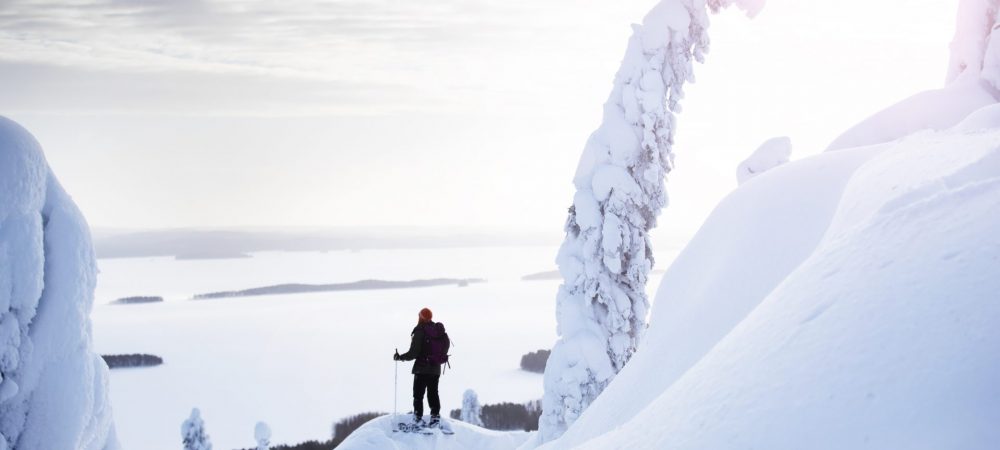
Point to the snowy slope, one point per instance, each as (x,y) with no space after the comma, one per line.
(884,337)
(754,238)
(54,391)
(934,109)
(378,435)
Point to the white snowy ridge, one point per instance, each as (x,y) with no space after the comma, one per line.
(54,388)
(772,153)
(606,257)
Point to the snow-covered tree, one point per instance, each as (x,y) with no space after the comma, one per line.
(53,387)
(262,433)
(472,411)
(606,257)
(971,54)
(193,432)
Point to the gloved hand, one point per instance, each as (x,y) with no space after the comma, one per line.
(395,357)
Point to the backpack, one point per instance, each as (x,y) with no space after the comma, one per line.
(437,342)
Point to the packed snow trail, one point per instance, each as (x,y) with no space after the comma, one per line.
(378,434)
(54,389)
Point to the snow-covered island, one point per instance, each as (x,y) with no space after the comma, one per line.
(362,285)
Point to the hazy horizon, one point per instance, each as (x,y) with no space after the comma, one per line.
(163,114)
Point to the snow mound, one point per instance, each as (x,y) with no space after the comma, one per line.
(54,389)
(983,118)
(885,337)
(935,109)
(378,434)
(772,153)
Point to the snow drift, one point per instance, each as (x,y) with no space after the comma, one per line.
(54,389)
(772,153)
(934,109)
(378,435)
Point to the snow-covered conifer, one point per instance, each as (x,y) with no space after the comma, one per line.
(606,257)
(193,432)
(974,29)
(262,433)
(472,411)
(53,387)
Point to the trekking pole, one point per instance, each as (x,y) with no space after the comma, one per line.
(395,390)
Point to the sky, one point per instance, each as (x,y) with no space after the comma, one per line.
(471,113)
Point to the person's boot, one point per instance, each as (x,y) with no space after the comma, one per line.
(418,422)
(435,421)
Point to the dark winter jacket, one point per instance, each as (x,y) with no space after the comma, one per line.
(418,351)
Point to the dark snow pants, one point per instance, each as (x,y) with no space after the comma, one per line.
(422,382)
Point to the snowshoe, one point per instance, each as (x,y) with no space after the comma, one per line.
(417,426)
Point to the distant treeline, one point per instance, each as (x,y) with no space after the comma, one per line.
(341,430)
(502,416)
(353,286)
(535,361)
(137,299)
(509,416)
(132,360)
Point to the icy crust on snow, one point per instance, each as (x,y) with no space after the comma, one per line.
(377,434)
(54,389)
(884,337)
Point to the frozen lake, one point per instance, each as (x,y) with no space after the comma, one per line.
(300,362)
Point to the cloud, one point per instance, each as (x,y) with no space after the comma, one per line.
(305,57)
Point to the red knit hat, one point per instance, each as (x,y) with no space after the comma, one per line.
(426,315)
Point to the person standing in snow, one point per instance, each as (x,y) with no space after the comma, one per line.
(427,343)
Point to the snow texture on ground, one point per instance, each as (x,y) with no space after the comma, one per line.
(54,390)
(378,434)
